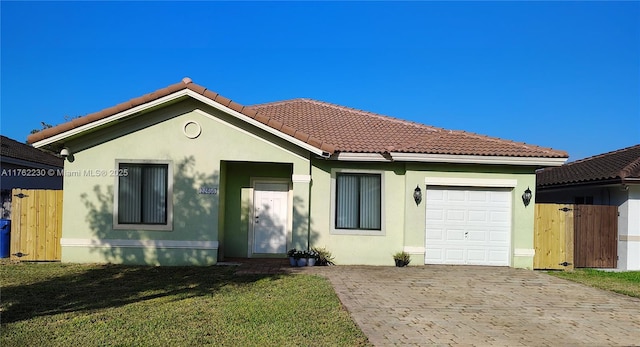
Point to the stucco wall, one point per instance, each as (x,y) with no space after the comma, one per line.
(404,221)
(359,249)
(88,233)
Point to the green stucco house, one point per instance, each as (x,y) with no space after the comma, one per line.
(186,176)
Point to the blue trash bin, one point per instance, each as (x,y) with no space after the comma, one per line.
(5,238)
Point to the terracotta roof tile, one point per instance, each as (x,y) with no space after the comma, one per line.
(236,106)
(352,130)
(332,128)
(622,164)
(210,94)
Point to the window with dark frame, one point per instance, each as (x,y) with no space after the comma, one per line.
(142,193)
(358,201)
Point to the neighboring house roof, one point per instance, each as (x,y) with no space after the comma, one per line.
(332,129)
(27,154)
(620,166)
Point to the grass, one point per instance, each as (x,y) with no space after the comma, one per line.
(97,305)
(627,283)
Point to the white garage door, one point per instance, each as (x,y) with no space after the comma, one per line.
(468,226)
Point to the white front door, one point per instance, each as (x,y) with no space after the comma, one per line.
(468,226)
(270,210)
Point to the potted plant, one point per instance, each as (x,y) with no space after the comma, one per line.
(292,259)
(402,258)
(323,256)
(300,257)
(312,257)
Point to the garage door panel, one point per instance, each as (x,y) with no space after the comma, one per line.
(436,234)
(455,216)
(477,236)
(500,197)
(454,235)
(478,196)
(476,228)
(476,256)
(435,214)
(454,195)
(500,217)
(434,256)
(454,256)
(478,216)
(499,236)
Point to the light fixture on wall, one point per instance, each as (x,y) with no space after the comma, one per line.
(526,197)
(417,195)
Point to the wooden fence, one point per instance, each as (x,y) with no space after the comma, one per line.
(568,236)
(36,224)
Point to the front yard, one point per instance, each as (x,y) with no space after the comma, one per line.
(97,305)
(627,283)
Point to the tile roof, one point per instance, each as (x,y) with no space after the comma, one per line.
(352,130)
(620,165)
(13,149)
(333,128)
(186,83)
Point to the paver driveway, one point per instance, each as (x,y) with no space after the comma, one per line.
(481,306)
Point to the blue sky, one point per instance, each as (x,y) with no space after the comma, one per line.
(564,75)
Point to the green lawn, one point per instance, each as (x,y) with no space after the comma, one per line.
(97,305)
(627,283)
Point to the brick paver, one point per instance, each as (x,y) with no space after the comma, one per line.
(478,306)
(481,306)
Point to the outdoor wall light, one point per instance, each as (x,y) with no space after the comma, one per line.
(417,195)
(526,197)
(66,153)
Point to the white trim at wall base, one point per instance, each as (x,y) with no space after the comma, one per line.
(148,244)
(524,252)
(414,250)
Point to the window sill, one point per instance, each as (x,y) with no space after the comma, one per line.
(361,232)
(152,227)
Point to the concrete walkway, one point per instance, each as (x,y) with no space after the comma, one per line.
(475,306)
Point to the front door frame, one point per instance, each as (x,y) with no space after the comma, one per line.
(289,223)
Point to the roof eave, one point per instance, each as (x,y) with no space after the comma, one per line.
(585,184)
(477,159)
(29,163)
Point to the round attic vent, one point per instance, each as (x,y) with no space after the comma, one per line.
(192,129)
